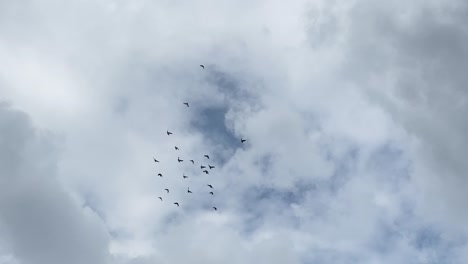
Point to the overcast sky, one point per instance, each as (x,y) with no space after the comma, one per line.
(355,115)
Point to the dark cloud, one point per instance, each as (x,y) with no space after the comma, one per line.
(41,221)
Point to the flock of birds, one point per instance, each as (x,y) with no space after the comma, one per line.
(202,167)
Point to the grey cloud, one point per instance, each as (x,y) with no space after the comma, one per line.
(422,59)
(354,153)
(40,220)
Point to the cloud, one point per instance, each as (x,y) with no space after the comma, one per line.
(421,87)
(41,222)
(353,114)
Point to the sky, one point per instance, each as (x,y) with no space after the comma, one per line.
(354,114)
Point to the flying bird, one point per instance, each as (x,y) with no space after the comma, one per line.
(179,160)
(209,185)
(188,190)
(185,177)
(211,167)
(211,193)
(202,167)
(205,171)
(160,198)
(243,140)
(203,66)
(193,162)
(155,160)
(167,190)
(176,203)
(159,174)
(168,133)
(186,104)
(206,156)
(176,148)
(215,208)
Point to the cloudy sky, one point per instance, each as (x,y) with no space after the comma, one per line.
(355,115)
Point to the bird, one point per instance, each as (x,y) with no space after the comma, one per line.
(167,190)
(205,171)
(206,156)
(168,133)
(186,104)
(215,208)
(179,160)
(211,193)
(160,198)
(202,167)
(209,185)
(159,174)
(176,148)
(188,190)
(203,66)
(185,177)
(155,160)
(176,203)
(243,140)
(193,162)
(211,167)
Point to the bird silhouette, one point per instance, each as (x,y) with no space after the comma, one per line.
(193,162)
(211,167)
(155,160)
(188,190)
(205,171)
(202,167)
(184,176)
(176,203)
(186,104)
(243,140)
(203,66)
(159,174)
(176,148)
(160,198)
(168,133)
(216,209)
(206,156)
(179,160)
(211,193)
(167,190)
(209,185)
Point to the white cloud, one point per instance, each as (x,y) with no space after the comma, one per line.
(353,114)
